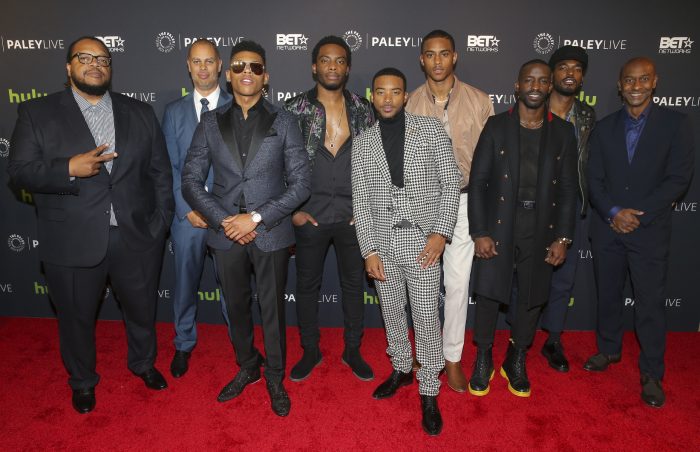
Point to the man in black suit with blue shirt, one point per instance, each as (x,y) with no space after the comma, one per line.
(641,161)
(261,174)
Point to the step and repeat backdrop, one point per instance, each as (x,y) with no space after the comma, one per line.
(149,43)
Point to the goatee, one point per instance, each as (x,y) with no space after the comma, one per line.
(91,90)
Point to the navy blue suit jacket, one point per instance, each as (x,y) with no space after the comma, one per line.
(179,123)
(659,173)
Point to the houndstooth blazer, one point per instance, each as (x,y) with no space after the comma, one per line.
(431,182)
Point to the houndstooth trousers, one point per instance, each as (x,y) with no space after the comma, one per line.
(407,281)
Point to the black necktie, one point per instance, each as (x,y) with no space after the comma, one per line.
(205,105)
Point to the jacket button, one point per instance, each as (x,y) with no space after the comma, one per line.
(502,152)
(558,157)
(554,204)
(106,212)
(551,226)
(502,198)
(506,176)
(627,188)
(498,221)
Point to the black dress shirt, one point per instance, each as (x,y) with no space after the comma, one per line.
(331,188)
(529,155)
(244,128)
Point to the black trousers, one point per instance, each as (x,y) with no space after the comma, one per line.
(235,267)
(643,254)
(77,294)
(525,324)
(311,249)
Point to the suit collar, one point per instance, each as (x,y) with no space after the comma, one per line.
(262,130)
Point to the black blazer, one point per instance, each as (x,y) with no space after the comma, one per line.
(73,216)
(493,196)
(660,171)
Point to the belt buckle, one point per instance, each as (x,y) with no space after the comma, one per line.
(528,204)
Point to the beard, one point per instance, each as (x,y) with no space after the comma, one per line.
(332,86)
(565,90)
(91,90)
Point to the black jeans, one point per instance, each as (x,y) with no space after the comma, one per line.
(525,325)
(311,249)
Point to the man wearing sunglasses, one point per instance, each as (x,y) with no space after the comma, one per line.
(261,175)
(98,167)
(189,230)
(330,116)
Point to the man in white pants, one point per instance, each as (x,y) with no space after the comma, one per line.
(463,111)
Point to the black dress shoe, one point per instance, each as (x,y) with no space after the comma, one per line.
(235,387)
(600,361)
(178,367)
(432,421)
(279,399)
(153,379)
(302,370)
(84,400)
(554,352)
(482,373)
(390,385)
(652,392)
(360,368)
(514,371)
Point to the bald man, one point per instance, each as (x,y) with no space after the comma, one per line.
(633,184)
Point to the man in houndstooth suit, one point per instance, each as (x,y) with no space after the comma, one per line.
(405,186)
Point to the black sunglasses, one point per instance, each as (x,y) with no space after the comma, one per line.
(239,66)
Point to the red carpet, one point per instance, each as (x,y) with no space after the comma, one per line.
(332,410)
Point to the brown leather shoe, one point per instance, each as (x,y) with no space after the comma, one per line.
(455,376)
(416,365)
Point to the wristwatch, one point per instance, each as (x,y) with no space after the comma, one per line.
(564,241)
(256,217)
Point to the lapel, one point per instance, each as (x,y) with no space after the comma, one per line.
(410,143)
(619,142)
(75,123)
(225,121)
(224,98)
(512,146)
(378,153)
(189,110)
(262,128)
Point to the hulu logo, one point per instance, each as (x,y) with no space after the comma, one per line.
(40,290)
(210,296)
(16,98)
(26,196)
(370,299)
(368,94)
(590,100)
(184,92)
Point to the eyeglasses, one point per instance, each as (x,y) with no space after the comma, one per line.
(87,58)
(239,66)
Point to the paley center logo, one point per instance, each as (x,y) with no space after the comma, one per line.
(482,43)
(395,41)
(4,147)
(353,39)
(675,44)
(544,43)
(32,44)
(165,42)
(113,43)
(292,41)
(678,101)
(16,243)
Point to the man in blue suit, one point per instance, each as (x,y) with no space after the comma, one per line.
(189,229)
(261,175)
(641,161)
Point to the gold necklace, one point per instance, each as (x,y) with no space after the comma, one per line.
(536,125)
(337,126)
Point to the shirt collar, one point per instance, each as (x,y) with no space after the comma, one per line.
(105,103)
(213,97)
(642,117)
(254,108)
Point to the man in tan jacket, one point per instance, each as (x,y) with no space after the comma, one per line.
(463,111)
